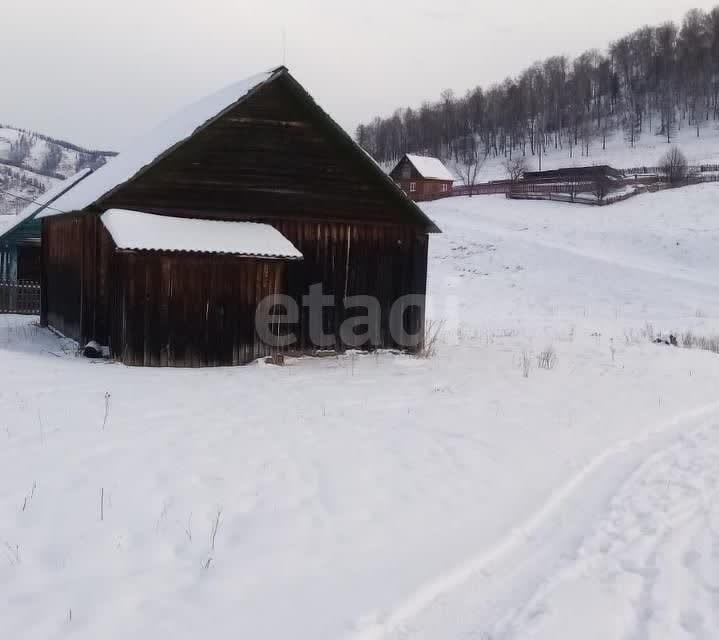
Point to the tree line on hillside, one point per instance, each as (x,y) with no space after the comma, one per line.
(17,181)
(653,81)
(60,142)
(20,153)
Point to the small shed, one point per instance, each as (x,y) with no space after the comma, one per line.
(164,253)
(20,252)
(422,177)
(209,259)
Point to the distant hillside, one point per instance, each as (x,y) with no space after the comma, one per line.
(31,163)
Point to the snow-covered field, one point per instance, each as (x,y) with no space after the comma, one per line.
(383,496)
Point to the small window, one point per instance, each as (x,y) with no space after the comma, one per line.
(412,187)
(444,186)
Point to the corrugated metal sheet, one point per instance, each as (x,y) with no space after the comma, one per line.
(148,232)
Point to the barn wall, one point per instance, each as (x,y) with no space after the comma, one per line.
(62,269)
(190,310)
(386,262)
(199,310)
(76,262)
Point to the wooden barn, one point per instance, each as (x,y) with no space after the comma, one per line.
(164,253)
(422,177)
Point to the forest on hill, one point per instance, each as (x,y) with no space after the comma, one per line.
(652,82)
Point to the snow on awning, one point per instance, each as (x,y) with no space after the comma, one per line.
(431,168)
(150,232)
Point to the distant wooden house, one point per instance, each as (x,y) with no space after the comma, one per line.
(20,239)
(422,177)
(164,253)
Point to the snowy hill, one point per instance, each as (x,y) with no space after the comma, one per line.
(384,496)
(31,163)
(647,151)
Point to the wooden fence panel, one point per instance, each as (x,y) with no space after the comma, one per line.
(21,298)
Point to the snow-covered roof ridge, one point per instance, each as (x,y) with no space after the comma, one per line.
(47,199)
(148,148)
(151,232)
(431,168)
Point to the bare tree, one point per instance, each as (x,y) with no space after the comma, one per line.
(602,185)
(20,149)
(631,125)
(468,158)
(674,165)
(52,159)
(515,168)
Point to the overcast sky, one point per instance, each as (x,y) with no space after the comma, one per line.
(97,72)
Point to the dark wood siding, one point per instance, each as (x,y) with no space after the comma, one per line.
(191,310)
(62,250)
(77,258)
(199,310)
(386,262)
(28,263)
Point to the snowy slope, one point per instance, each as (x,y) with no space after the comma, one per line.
(353,494)
(31,163)
(619,154)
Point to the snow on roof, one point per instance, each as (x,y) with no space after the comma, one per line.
(431,168)
(46,199)
(148,148)
(6,221)
(151,232)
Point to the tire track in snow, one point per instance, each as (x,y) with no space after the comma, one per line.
(653,554)
(482,597)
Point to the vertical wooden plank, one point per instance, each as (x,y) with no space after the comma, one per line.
(44,261)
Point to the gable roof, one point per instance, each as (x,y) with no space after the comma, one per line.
(43,202)
(430,168)
(149,232)
(173,132)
